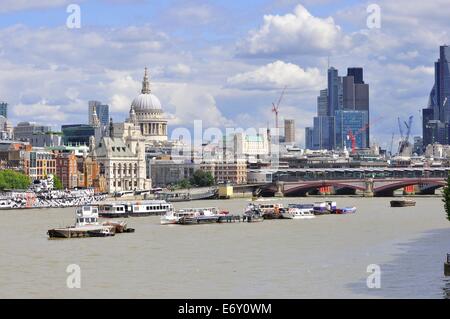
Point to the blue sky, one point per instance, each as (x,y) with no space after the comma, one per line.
(224,62)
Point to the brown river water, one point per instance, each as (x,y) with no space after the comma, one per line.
(326,257)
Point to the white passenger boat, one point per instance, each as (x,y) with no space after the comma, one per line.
(173,217)
(301,211)
(148,208)
(113,210)
(86,225)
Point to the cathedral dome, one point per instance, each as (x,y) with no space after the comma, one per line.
(146,100)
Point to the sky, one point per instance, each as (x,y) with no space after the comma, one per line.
(221,61)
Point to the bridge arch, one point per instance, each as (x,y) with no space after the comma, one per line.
(389,188)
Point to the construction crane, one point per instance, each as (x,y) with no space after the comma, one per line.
(352,136)
(404,145)
(276,108)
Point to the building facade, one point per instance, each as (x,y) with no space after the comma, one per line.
(436,116)
(4,109)
(67,170)
(289,131)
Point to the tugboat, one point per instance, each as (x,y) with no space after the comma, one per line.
(86,225)
(269,211)
(403,203)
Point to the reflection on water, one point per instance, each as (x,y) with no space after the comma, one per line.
(417,270)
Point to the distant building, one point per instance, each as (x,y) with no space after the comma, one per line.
(4,109)
(66,169)
(24,131)
(289,131)
(40,163)
(250,145)
(322,103)
(6,129)
(354,122)
(102,111)
(309,133)
(418,145)
(324,133)
(436,115)
(77,134)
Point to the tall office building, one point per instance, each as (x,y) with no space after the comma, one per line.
(322,103)
(324,135)
(335,91)
(102,111)
(354,122)
(341,108)
(309,133)
(4,109)
(357,74)
(289,131)
(438,104)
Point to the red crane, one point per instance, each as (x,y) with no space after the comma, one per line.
(352,137)
(275,108)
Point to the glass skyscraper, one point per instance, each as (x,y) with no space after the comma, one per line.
(353,121)
(102,111)
(4,109)
(437,114)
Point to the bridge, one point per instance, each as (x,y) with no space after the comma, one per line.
(367,182)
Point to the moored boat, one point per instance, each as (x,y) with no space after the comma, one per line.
(299,211)
(113,210)
(149,208)
(403,203)
(346,210)
(324,208)
(268,211)
(252,215)
(86,225)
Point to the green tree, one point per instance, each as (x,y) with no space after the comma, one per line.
(446,199)
(202,178)
(184,183)
(10,179)
(57,184)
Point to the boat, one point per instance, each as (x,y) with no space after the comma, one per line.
(86,225)
(148,208)
(324,208)
(119,226)
(199,216)
(403,203)
(301,211)
(113,210)
(268,211)
(252,215)
(173,217)
(346,210)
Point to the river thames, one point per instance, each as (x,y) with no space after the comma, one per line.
(326,257)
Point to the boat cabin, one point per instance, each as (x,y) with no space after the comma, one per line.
(86,215)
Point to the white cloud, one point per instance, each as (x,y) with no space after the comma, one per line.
(294,33)
(17,5)
(277,75)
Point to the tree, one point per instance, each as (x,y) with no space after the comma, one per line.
(446,199)
(57,184)
(202,178)
(184,183)
(10,179)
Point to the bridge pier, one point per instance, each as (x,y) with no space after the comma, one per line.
(368,191)
(280,190)
(325,190)
(409,190)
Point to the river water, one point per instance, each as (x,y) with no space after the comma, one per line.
(326,257)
